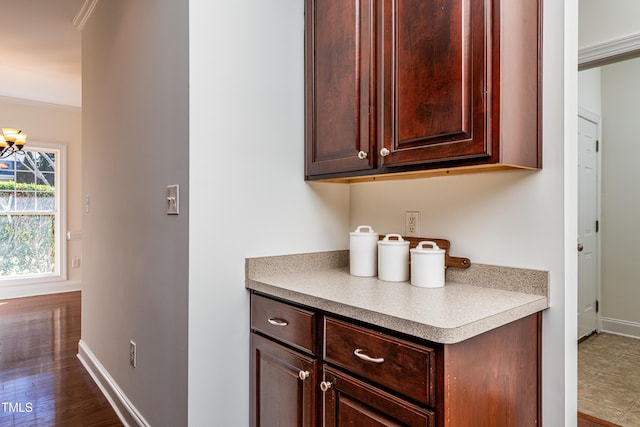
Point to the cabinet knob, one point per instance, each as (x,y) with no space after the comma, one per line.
(384,152)
(580,247)
(303,375)
(325,385)
(362,155)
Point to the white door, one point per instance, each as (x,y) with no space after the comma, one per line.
(587,216)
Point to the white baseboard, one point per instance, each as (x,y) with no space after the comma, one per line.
(123,407)
(35,289)
(620,327)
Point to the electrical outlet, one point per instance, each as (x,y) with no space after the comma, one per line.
(133,357)
(75,262)
(412,224)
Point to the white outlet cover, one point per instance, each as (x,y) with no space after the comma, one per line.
(412,224)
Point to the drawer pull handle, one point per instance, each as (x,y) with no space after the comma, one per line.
(325,385)
(303,375)
(358,352)
(277,322)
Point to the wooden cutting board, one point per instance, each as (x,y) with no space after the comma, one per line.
(449,261)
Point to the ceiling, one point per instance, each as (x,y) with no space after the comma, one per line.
(40,51)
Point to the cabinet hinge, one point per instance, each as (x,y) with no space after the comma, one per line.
(597,306)
(597,145)
(597,225)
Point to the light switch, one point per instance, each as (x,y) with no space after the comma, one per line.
(173,201)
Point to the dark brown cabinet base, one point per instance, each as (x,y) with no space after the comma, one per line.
(365,376)
(351,402)
(283,387)
(493,379)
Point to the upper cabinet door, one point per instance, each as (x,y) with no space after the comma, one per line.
(434,64)
(417,87)
(340,86)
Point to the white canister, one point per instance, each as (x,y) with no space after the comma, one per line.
(393,258)
(363,252)
(427,265)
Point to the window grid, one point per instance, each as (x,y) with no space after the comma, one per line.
(29,212)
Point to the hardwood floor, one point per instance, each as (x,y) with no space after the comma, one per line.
(585,420)
(42,382)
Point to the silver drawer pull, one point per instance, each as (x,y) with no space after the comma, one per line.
(277,322)
(358,352)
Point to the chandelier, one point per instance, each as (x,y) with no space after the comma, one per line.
(11,142)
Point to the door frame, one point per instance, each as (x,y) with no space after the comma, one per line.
(596,119)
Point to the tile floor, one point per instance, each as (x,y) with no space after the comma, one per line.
(609,378)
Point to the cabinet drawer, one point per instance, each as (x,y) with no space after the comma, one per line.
(284,322)
(351,402)
(398,365)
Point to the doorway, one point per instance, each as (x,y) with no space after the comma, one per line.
(606,382)
(588,223)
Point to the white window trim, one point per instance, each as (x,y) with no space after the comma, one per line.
(61,223)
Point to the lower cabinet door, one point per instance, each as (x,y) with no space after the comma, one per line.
(283,386)
(351,402)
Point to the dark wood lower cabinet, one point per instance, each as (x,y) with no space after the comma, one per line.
(494,378)
(284,385)
(360,375)
(351,402)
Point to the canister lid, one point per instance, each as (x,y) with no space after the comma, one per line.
(427,247)
(388,242)
(359,232)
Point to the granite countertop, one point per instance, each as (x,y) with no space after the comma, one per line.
(473,301)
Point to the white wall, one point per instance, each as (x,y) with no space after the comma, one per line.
(518,219)
(136,142)
(605,21)
(620,194)
(50,123)
(590,90)
(246,105)
(248,195)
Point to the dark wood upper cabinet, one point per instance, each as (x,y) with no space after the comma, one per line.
(340,89)
(421,86)
(434,108)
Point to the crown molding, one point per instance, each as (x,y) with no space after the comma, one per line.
(84,14)
(608,52)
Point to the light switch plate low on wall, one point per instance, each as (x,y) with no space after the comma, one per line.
(173,201)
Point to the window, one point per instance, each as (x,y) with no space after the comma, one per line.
(30,220)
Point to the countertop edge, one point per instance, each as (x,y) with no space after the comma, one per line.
(409,327)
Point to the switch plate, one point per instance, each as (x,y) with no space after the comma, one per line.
(133,357)
(412,224)
(173,200)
